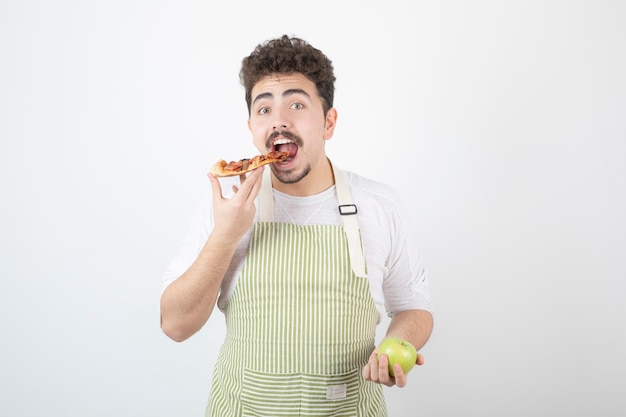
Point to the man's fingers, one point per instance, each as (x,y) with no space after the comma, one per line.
(369,370)
(251,184)
(383,371)
(420,359)
(216,188)
(366,372)
(399,377)
(377,370)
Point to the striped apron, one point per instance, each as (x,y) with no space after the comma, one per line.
(300,324)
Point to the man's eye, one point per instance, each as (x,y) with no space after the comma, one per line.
(264,110)
(297,106)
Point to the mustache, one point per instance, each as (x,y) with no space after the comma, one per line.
(285,134)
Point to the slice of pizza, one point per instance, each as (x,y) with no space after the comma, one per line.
(228,169)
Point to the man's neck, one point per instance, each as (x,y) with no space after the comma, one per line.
(319,179)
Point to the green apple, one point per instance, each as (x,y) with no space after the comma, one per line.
(399,352)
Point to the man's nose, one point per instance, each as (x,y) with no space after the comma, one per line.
(280,121)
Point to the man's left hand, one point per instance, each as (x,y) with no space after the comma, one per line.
(378,371)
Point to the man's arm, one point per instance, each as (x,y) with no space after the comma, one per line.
(187,303)
(414,326)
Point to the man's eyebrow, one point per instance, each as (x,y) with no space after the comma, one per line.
(262,96)
(295,91)
(286,93)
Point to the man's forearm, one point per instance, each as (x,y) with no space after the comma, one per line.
(187,303)
(414,326)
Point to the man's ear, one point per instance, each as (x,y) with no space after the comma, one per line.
(331,122)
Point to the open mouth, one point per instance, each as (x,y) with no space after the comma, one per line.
(286,145)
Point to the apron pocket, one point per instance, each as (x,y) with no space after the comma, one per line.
(272,395)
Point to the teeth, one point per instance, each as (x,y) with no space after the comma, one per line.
(282,141)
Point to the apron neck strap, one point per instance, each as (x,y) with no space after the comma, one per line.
(266,203)
(347,210)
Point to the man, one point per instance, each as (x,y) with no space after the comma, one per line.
(304,258)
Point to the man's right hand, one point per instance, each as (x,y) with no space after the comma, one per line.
(233,216)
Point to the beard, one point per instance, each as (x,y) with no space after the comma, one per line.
(291,176)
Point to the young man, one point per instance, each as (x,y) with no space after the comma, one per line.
(303,259)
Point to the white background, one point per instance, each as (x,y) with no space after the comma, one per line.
(502,122)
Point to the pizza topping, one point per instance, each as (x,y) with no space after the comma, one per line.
(224,169)
(237,165)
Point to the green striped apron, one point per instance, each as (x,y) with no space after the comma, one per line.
(300,323)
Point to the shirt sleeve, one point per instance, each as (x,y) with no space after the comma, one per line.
(192,243)
(406,285)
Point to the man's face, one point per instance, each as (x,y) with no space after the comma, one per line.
(287,115)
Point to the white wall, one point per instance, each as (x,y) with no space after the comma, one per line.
(512,114)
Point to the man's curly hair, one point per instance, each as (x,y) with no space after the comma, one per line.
(288,55)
